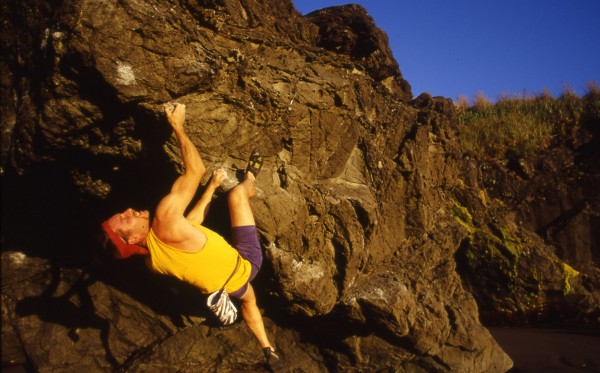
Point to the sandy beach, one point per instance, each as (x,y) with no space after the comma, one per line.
(550,350)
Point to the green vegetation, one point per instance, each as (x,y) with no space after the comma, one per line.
(492,256)
(463,216)
(569,273)
(524,125)
(492,263)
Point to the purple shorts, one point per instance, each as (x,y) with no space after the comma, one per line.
(245,241)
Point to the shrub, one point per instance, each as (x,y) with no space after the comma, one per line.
(525,124)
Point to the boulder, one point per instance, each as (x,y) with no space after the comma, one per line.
(356,204)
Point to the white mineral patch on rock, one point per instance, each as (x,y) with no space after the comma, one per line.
(17,257)
(125,74)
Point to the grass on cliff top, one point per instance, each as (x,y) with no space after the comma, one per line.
(523,125)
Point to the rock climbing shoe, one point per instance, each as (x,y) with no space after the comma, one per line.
(255,162)
(275,363)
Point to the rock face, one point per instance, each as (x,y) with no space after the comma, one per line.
(357,205)
(531,254)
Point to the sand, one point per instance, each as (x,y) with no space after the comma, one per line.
(550,350)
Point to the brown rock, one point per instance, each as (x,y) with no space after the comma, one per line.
(356,202)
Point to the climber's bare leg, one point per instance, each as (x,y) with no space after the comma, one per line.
(253,318)
(239,202)
(241,215)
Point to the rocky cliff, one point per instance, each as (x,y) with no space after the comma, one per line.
(371,220)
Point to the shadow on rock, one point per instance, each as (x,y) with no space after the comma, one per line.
(62,310)
(163,294)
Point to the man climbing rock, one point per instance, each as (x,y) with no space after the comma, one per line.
(180,246)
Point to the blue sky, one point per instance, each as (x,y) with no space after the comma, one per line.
(451,48)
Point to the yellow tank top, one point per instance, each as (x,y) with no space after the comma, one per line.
(208,269)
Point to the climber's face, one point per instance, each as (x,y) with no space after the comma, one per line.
(132,225)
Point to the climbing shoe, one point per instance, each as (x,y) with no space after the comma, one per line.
(255,162)
(274,362)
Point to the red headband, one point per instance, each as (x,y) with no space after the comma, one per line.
(125,250)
